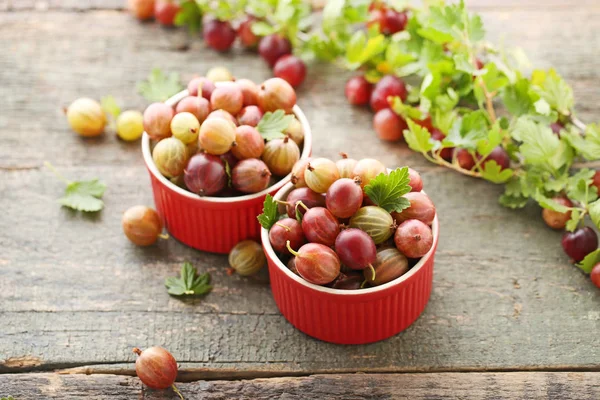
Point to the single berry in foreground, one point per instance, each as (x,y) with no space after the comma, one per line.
(580,243)
(375,221)
(247,258)
(130,125)
(320,226)
(320,174)
(595,275)
(250,176)
(86,117)
(388,125)
(344,197)
(308,197)
(421,208)
(280,155)
(555,219)
(156,367)
(356,250)
(205,174)
(157,120)
(413,238)
(142,225)
(170,156)
(287,229)
(316,263)
(389,265)
(276,94)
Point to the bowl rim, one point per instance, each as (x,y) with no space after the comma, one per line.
(270,252)
(147,154)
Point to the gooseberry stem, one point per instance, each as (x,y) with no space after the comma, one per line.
(362,285)
(176,390)
(285,203)
(287,228)
(372,272)
(137,351)
(292,251)
(56,173)
(301,204)
(164,236)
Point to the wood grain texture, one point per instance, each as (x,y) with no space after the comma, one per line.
(471,386)
(74,292)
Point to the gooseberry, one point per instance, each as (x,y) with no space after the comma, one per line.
(276,94)
(388,125)
(203,84)
(165,11)
(298,172)
(291,69)
(250,176)
(86,117)
(308,198)
(556,127)
(157,120)
(284,230)
(223,115)
(596,180)
(344,197)
(185,127)
(421,208)
(247,37)
(247,258)
(248,143)
(389,264)
(375,221)
(280,155)
(413,238)
(389,21)
(464,158)
(249,91)
(295,131)
(229,158)
(320,226)
(205,174)
(217,135)
(250,115)
(445,153)
(555,219)
(130,125)
(346,166)
(219,74)
(349,281)
(579,243)
(227,97)
(156,367)
(500,156)
(358,90)
(320,174)
(198,106)
(367,169)
(170,157)
(142,9)
(388,86)
(142,225)
(272,47)
(415,183)
(218,35)
(316,263)
(356,250)
(595,275)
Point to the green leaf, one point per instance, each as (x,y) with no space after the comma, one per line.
(594,211)
(406,111)
(110,106)
(189,283)
(418,138)
(551,204)
(590,261)
(494,173)
(588,146)
(270,213)
(513,201)
(463,64)
(516,98)
(468,131)
(159,86)
(579,187)
(386,190)
(542,107)
(189,15)
(493,140)
(260,28)
(552,88)
(573,223)
(273,124)
(540,146)
(81,195)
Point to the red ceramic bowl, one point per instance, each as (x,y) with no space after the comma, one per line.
(213,224)
(350,316)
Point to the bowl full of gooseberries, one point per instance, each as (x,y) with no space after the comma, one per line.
(215,150)
(350,247)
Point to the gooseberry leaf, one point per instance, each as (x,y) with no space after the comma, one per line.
(550,204)
(110,106)
(159,86)
(81,195)
(189,15)
(386,190)
(594,211)
(418,138)
(270,213)
(272,124)
(494,173)
(573,223)
(189,283)
(590,261)
(551,87)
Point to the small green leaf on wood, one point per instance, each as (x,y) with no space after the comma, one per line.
(590,261)
(189,283)
(270,213)
(386,190)
(273,124)
(81,195)
(189,15)
(110,106)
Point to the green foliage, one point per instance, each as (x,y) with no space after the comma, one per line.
(270,213)
(189,283)
(189,15)
(386,190)
(272,124)
(81,195)
(159,86)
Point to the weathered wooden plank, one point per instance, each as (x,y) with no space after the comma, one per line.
(471,386)
(98,61)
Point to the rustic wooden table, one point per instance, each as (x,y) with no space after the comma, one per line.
(508,317)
